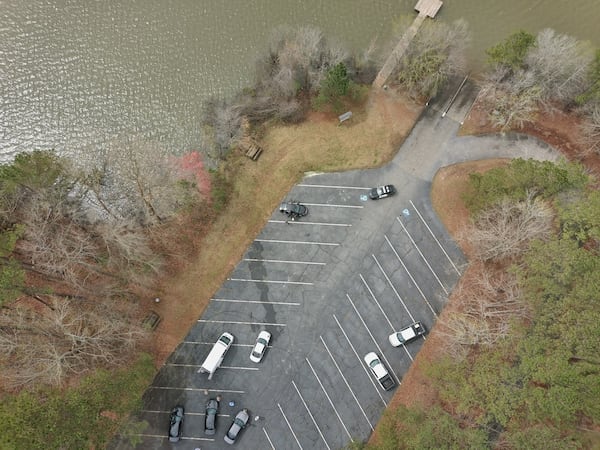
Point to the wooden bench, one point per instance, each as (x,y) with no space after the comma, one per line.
(151,321)
(253,152)
(250,148)
(344,117)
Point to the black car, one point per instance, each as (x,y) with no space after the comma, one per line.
(293,209)
(239,423)
(176,423)
(210,418)
(382,192)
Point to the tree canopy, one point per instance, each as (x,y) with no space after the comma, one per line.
(512,51)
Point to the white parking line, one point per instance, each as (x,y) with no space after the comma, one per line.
(335,187)
(297,222)
(330,205)
(238,368)
(375,298)
(310,414)
(243,323)
(394,288)
(268,439)
(277,241)
(372,295)
(220,367)
(162,436)
(212,343)
(247,280)
(422,256)
(360,360)
(329,399)
(434,237)
(347,384)
(168,388)
(184,438)
(289,426)
(374,341)
(401,301)
(228,300)
(283,261)
(413,280)
(187,413)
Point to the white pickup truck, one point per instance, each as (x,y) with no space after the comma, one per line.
(379,370)
(407,334)
(216,355)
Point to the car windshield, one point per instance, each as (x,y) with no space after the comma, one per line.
(225,339)
(261,341)
(374,363)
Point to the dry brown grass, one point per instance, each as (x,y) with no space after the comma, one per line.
(369,139)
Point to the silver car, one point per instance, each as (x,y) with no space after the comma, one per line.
(239,423)
(262,342)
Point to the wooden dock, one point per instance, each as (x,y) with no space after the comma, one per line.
(426,8)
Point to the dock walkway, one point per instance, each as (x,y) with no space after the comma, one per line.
(426,8)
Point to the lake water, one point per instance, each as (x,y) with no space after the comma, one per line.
(82,73)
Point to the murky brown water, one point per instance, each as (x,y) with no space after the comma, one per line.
(80,73)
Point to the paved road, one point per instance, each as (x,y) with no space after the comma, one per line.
(330,288)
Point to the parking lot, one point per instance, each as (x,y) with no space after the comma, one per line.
(330,287)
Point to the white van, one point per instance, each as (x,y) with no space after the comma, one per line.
(216,355)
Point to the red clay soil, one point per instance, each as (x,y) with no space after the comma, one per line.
(559,129)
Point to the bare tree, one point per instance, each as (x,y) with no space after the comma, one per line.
(435,53)
(504,230)
(490,304)
(560,64)
(130,179)
(66,339)
(55,244)
(511,100)
(300,58)
(130,256)
(554,70)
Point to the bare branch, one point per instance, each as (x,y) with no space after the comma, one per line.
(67,339)
(505,230)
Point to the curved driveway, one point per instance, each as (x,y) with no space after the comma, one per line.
(330,288)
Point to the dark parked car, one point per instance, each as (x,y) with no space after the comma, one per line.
(382,192)
(210,418)
(293,209)
(239,423)
(176,423)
